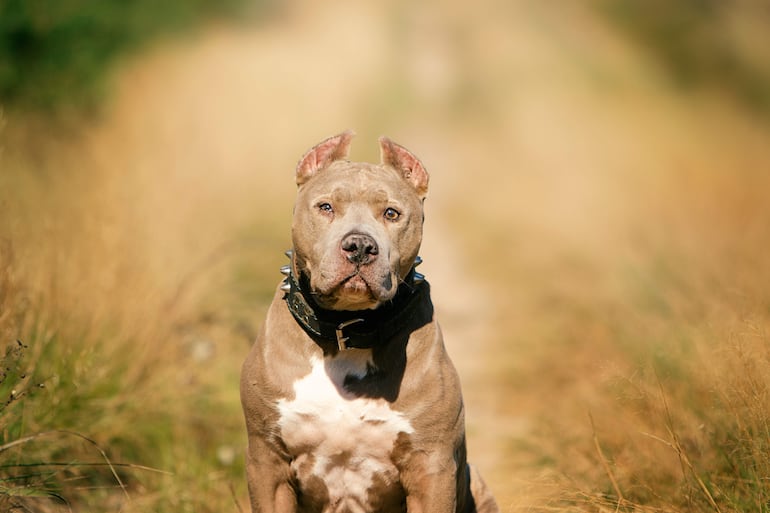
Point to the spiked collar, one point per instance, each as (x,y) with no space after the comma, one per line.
(353,329)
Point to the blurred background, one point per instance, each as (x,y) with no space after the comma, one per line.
(597,236)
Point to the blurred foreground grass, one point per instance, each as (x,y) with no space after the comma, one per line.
(617,230)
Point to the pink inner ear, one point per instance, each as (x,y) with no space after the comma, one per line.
(403,160)
(323,154)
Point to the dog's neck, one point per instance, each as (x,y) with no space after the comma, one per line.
(361,329)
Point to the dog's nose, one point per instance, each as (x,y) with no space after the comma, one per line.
(359,248)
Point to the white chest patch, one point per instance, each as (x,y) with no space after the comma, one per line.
(343,440)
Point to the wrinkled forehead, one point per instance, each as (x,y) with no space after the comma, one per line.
(351,180)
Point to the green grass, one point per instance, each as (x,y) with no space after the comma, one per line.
(125,394)
(90,425)
(703,43)
(60,56)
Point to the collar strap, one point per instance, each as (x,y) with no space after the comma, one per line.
(354,329)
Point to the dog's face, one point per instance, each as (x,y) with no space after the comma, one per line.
(357,227)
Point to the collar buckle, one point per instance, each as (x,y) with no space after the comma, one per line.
(341,340)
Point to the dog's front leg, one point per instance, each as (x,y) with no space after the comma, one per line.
(430,482)
(269,478)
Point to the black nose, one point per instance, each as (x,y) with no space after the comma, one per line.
(359,249)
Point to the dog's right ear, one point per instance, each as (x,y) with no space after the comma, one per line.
(406,163)
(323,154)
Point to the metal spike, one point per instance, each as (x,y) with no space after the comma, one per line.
(289,253)
(286,286)
(418,278)
(286,270)
(417,261)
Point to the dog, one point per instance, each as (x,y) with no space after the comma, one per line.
(350,399)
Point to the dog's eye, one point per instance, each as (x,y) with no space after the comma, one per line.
(325,207)
(391,214)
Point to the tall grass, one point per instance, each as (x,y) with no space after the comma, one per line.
(119,387)
(636,306)
(91,403)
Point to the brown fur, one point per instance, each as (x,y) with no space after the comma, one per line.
(418,461)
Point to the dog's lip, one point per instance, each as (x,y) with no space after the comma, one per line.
(352,289)
(353,283)
(330,287)
(355,280)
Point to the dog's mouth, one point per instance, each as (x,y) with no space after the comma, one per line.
(356,291)
(359,281)
(355,284)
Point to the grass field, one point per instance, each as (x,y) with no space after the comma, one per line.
(596,239)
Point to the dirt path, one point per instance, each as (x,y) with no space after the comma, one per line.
(464,309)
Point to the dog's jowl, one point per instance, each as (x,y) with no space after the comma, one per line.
(351,402)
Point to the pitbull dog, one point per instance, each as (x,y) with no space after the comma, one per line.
(350,399)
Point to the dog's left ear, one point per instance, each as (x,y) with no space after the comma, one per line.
(403,161)
(323,154)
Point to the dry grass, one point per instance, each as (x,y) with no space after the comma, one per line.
(608,235)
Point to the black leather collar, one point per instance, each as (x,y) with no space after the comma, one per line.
(355,329)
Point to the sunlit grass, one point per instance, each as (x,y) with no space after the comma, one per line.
(637,337)
(144,397)
(120,385)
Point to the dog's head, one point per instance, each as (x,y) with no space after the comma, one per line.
(357,227)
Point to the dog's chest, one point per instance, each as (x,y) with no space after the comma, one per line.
(341,444)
